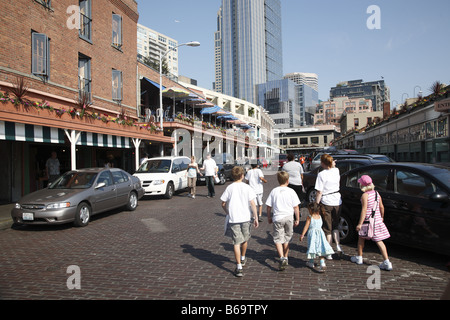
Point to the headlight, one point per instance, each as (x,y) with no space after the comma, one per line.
(59,205)
(17,206)
(158,182)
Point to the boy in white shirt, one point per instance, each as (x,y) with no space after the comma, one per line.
(255,178)
(285,204)
(236,202)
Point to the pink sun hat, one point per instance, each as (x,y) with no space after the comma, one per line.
(365,180)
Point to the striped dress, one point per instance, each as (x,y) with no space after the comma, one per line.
(381,232)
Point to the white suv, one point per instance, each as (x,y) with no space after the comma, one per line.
(163,176)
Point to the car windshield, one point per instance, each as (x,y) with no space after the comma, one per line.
(74,180)
(155,166)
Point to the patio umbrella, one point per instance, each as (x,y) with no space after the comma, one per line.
(175,93)
(210,110)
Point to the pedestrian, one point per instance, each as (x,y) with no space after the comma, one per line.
(327,194)
(255,178)
(295,171)
(318,245)
(238,202)
(191,174)
(285,204)
(371,200)
(210,168)
(52,168)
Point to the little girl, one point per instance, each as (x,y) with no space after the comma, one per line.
(318,246)
(371,199)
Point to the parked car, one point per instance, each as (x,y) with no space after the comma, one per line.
(416,201)
(282,159)
(309,178)
(77,195)
(224,168)
(340,156)
(163,175)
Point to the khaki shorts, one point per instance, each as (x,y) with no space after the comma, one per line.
(240,232)
(283,230)
(331,217)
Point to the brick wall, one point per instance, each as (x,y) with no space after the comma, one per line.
(21,17)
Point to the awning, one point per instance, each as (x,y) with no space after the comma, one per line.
(210,110)
(103,140)
(154,83)
(14,131)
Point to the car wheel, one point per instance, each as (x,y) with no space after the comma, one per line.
(169,191)
(311,195)
(83,215)
(222,178)
(132,201)
(347,231)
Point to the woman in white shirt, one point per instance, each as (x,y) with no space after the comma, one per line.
(327,187)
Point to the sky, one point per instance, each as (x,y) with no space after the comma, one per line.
(410,49)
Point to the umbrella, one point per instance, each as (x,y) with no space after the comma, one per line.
(210,110)
(175,93)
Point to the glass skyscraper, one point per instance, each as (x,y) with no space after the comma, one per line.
(250,46)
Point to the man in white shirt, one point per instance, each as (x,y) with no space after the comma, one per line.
(210,168)
(295,171)
(285,204)
(237,200)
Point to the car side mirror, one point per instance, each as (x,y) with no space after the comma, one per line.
(439,197)
(100,185)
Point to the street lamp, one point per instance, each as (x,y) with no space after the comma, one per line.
(161,56)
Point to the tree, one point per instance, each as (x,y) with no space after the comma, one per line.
(154,63)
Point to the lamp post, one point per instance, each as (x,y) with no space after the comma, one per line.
(161,56)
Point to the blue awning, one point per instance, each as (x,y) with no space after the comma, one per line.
(154,83)
(228,117)
(210,110)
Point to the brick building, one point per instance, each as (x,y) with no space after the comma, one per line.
(68,56)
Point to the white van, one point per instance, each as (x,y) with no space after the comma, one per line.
(163,175)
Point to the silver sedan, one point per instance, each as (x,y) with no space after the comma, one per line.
(77,195)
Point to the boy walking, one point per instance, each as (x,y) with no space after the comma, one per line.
(236,202)
(255,178)
(285,204)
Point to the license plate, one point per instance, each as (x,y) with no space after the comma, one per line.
(27,216)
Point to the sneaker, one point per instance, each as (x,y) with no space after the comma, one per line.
(243,262)
(193,197)
(329,257)
(310,264)
(322,266)
(386,265)
(283,264)
(357,259)
(238,272)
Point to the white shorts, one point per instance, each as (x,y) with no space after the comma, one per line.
(259,199)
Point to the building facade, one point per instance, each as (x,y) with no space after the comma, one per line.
(309,79)
(330,112)
(150,43)
(377,91)
(68,84)
(249,42)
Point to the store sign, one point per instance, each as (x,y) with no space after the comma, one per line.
(442,106)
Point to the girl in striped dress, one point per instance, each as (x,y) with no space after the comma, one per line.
(380,231)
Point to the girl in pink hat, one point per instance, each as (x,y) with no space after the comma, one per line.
(370,200)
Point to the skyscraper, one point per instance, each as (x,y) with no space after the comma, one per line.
(250,46)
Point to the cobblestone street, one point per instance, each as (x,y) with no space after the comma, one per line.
(175,249)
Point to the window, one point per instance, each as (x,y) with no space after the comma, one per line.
(45,3)
(293,141)
(315,140)
(40,61)
(84,74)
(117,30)
(303,140)
(117,85)
(105,177)
(119,177)
(380,178)
(85,20)
(414,185)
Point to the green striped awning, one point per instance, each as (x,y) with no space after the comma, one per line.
(30,133)
(15,131)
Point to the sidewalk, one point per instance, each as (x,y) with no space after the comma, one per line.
(5,216)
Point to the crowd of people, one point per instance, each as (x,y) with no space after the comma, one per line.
(242,202)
